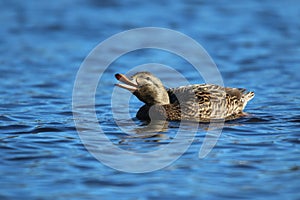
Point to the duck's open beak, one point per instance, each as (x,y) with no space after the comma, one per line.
(129,85)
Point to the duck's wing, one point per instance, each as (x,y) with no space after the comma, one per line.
(199,101)
(207,101)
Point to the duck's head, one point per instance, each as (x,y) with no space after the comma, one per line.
(146,87)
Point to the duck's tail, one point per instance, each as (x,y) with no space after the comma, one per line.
(248,96)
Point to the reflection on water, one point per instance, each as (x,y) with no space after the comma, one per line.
(255,46)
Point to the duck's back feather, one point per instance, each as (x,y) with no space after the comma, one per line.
(208,101)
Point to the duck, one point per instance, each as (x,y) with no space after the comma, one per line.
(197,102)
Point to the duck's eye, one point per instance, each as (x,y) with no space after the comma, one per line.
(148,78)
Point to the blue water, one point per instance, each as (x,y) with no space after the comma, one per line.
(255,45)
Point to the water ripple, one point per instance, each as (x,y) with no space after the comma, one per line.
(42,46)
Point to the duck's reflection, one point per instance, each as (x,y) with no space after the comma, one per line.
(154,128)
(160,128)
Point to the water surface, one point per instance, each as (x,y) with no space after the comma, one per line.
(254,44)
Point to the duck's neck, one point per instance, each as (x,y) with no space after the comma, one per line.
(162,97)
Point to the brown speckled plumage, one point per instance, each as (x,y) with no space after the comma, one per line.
(199,102)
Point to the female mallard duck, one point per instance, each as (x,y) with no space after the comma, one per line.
(199,102)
